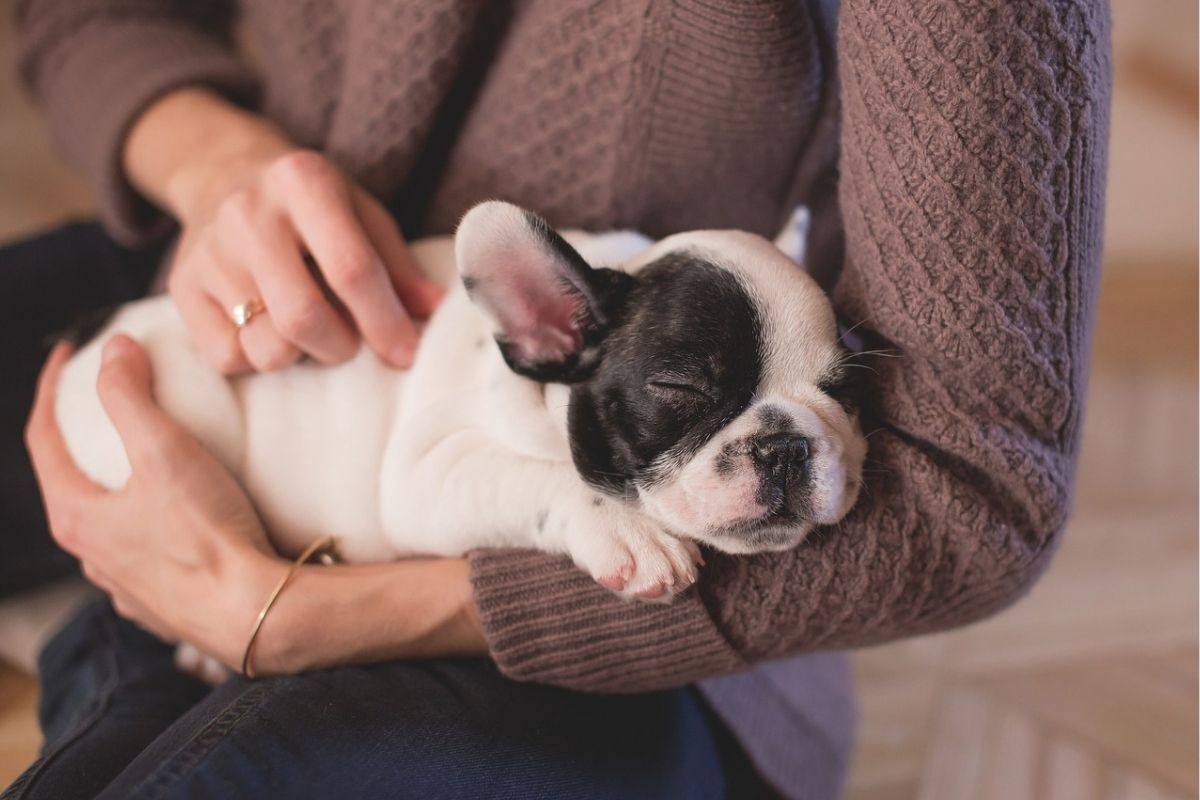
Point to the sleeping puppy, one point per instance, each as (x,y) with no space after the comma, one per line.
(603,396)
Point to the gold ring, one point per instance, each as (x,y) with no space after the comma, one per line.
(242,313)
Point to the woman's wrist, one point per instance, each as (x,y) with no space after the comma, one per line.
(244,583)
(346,614)
(191,147)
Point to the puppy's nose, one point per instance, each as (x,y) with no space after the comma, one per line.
(781,455)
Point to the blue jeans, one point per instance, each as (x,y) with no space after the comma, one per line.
(121,722)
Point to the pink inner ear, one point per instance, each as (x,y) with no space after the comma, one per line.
(521,277)
(537,314)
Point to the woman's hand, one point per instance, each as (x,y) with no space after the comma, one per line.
(253,208)
(180,549)
(182,552)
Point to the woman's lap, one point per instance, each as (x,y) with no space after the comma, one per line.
(428,729)
(432,729)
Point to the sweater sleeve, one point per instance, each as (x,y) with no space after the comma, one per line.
(94,65)
(973,154)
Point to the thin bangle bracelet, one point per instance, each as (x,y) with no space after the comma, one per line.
(323,547)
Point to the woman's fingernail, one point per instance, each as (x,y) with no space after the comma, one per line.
(113,349)
(402,357)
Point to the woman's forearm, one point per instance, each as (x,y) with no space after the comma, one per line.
(349,614)
(185,140)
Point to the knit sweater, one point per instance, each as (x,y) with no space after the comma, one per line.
(954,152)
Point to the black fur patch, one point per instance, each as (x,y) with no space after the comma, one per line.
(774,420)
(725,463)
(682,357)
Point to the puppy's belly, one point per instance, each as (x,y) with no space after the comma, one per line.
(314,439)
(305,443)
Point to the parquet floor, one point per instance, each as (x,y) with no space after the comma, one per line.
(1086,689)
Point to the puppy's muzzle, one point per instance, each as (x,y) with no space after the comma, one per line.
(783,461)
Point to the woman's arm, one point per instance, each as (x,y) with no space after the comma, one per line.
(94,66)
(137,95)
(972,187)
(182,552)
(355,614)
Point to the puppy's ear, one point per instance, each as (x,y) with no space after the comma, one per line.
(549,308)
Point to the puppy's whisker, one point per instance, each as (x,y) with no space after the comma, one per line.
(854,327)
(872,370)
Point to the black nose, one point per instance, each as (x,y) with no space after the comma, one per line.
(782,460)
(780,453)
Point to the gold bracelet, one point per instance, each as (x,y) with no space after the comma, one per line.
(322,548)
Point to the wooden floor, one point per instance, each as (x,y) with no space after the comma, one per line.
(1087,689)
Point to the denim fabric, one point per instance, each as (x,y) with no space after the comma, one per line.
(430,729)
(108,689)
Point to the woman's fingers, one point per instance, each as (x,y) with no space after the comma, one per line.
(51,459)
(295,304)
(125,384)
(419,294)
(211,329)
(62,483)
(258,341)
(251,244)
(324,216)
(265,348)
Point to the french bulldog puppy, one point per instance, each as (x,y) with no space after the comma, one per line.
(604,396)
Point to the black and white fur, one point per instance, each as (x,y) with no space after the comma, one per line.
(685,393)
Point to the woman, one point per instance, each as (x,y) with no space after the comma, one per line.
(956,148)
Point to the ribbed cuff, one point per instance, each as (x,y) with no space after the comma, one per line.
(548,622)
(102,82)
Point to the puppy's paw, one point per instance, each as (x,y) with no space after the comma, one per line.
(632,556)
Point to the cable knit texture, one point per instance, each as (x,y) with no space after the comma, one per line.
(968,139)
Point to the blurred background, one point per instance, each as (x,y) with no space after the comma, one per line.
(1088,687)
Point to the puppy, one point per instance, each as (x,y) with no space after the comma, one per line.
(604,396)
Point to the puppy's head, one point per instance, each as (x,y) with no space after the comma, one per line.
(707,382)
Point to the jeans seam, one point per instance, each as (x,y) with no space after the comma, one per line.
(103,698)
(185,760)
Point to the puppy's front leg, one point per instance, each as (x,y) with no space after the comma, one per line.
(465,491)
(622,548)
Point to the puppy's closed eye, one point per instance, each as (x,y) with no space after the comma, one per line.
(680,390)
(846,383)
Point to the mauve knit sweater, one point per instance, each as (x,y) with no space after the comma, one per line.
(954,152)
